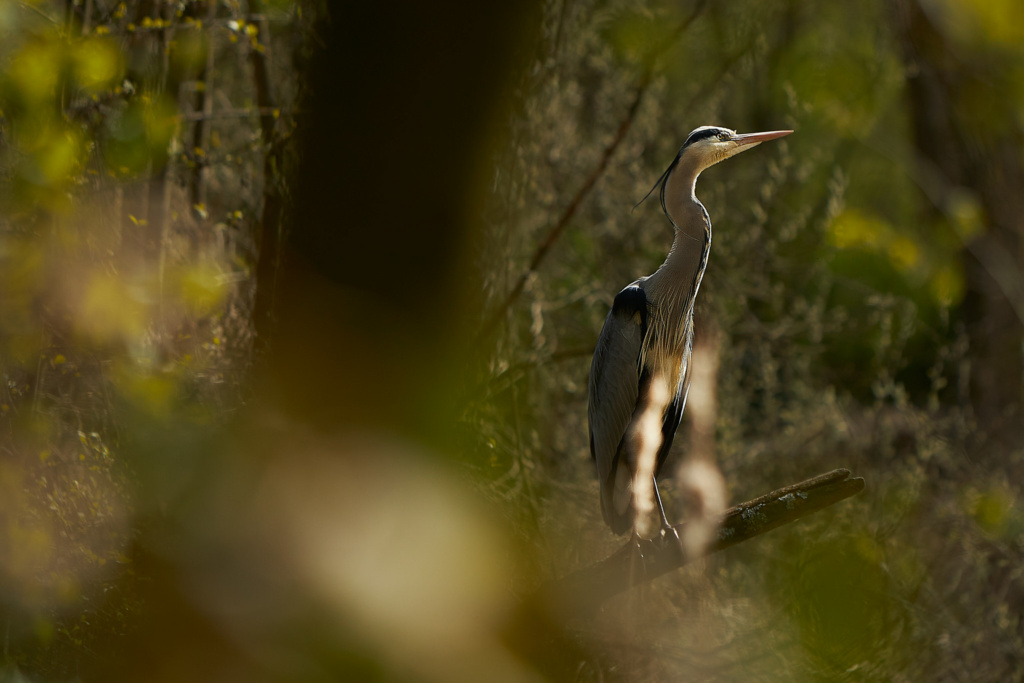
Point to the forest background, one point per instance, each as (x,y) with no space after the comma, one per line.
(297,302)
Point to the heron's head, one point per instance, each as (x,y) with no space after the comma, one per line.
(708,145)
(705,147)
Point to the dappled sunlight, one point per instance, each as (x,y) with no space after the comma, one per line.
(702,487)
(395,549)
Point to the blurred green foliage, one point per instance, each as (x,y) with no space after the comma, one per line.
(124,328)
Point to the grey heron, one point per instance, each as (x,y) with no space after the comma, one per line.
(640,374)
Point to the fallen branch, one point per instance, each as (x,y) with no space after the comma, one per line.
(640,561)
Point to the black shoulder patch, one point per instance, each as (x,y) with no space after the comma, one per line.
(630,302)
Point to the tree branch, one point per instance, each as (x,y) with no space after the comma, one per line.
(570,210)
(640,561)
(559,226)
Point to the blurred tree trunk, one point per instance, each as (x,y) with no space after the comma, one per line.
(273,202)
(979,155)
(394,145)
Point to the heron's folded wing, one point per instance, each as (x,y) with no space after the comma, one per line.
(614,381)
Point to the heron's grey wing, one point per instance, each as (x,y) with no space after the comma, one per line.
(614,387)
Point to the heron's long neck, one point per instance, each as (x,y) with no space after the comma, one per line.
(685,211)
(683,269)
(673,287)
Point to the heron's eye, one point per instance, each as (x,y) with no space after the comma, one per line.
(723,136)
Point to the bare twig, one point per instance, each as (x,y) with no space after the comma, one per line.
(567,214)
(510,375)
(32,8)
(570,210)
(640,561)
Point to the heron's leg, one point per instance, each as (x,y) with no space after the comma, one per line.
(665,526)
(669,535)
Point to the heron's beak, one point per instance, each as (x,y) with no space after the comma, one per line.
(747,139)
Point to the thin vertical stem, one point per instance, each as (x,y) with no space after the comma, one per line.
(201,132)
